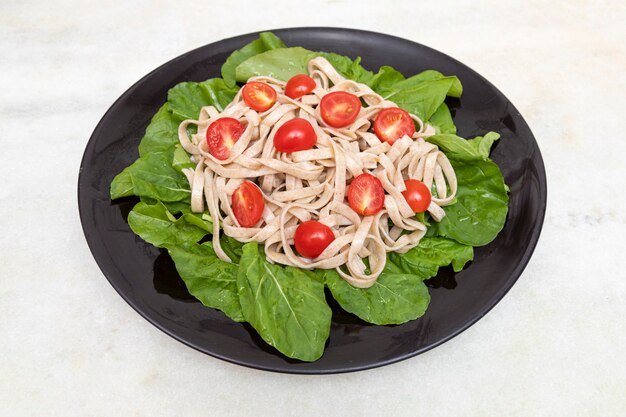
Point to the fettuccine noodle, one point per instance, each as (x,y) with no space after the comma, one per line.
(312,184)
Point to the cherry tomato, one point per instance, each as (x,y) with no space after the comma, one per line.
(312,237)
(295,135)
(248,204)
(393,123)
(417,195)
(299,85)
(259,96)
(222,135)
(339,109)
(366,194)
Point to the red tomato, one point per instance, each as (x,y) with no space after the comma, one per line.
(248,204)
(259,96)
(312,237)
(299,85)
(393,123)
(339,109)
(295,135)
(417,195)
(222,135)
(366,194)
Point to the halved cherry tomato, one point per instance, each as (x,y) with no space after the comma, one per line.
(417,195)
(299,85)
(259,96)
(295,135)
(312,237)
(222,135)
(339,109)
(248,204)
(393,123)
(366,194)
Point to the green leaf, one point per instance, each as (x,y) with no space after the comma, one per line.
(399,294)
(232,247)
(186,99)
(122,185)
(181,159)
(285,306)
(266,42)
(460,149)
(482,204)
(156,225)
(432,253)
(347,67)
(161,134)
(442,120)
(419,97)
(152,176)
(394,298)
(281,63)
(209,279)
(483,144)
(384,80)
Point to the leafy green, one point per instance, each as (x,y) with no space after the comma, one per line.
(347,67)
(431,253)
(152,176)
(186,99)
(281,63)
(482,144)
(399,294)
(156,225)
(442,120)
(394,298)
(161,134)
(465,150)
(421,96)
(284,305)
(266,42)
(209,279)
(122,185)
(181,159)
(482,204)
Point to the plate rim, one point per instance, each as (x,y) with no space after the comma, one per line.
(514,276)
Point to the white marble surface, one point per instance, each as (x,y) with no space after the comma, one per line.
(70,346)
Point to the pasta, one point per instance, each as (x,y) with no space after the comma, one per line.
(312,184)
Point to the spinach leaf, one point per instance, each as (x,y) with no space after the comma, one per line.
(442,120)
(420,97)
(399,294)
(152,176)
(483,144)
(161,134)
(394,298)
(122,185)
(432,253)
(347,67)
(465,150)
(281,63)
(284,305)
(209,279)
(186,99)
(266,42)
(181,159)
(156,225)
(482,204)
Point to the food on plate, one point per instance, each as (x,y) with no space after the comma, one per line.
(301,170)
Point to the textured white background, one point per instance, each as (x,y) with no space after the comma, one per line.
(70,346)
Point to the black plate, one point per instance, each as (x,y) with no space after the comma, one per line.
(145,276)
